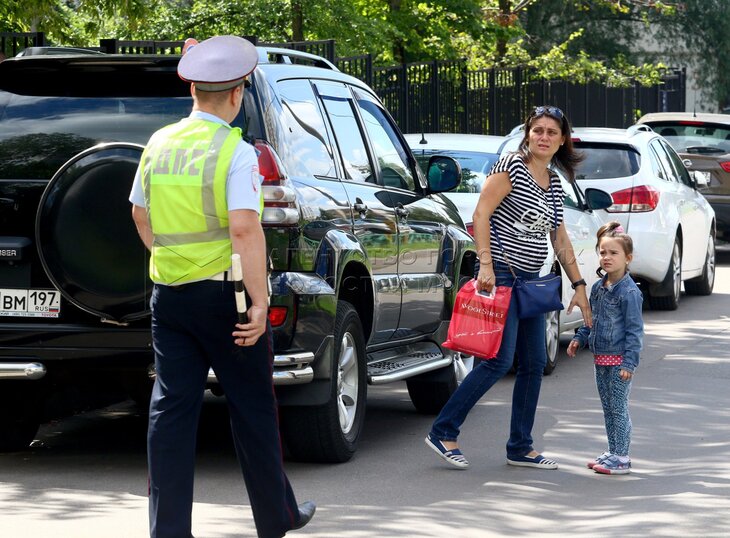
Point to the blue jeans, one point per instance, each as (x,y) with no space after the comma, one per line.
(614,393)
(527,337)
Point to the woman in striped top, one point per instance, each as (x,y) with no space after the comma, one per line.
(521,202)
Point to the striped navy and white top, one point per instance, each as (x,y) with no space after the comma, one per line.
(525,216)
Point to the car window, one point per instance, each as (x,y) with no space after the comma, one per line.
(571,198)
(390,153)
(356,160)
(606,161)
(669,171)
(39,134)
(475,166)
(307,150)
(702,137)
(656,166)
(677,164)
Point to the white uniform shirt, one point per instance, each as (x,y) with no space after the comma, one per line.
(242,185)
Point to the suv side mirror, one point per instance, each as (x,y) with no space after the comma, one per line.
(444,174)
(598,199)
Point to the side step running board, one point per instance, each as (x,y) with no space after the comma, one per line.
(405,361)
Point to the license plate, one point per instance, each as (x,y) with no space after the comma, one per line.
(30,303)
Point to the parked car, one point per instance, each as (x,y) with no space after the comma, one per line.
(477,154)
(658,203)
(366,255)
(703,142)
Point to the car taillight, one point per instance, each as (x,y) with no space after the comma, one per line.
(277,315)
(634,200)
(470,228)
(279,198)
(725,166)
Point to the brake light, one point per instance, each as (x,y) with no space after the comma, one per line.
(269,164)
(688,122)
(277,315)
(725,166)
(470,228)
(279,198)
(634,200)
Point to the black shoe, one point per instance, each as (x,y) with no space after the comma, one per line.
(306,512)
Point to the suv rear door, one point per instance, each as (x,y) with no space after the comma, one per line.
(374,219)
(681,194)
(420,224)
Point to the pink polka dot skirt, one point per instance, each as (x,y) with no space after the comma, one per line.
(608,360)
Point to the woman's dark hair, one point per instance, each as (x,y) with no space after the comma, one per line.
(566,158)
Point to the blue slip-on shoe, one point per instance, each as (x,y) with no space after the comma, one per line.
(454,456)
(539,462)
(600,459)
(613,465)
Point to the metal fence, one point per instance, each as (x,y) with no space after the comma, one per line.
(445,96)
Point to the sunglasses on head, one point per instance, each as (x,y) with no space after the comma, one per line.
(549,110)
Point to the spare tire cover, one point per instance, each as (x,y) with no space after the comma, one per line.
(87,241)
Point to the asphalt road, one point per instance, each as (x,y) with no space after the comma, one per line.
(86,476)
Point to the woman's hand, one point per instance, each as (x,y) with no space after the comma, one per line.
(573,347)
(625,375)
(580,299)
(249,333)
(485,278)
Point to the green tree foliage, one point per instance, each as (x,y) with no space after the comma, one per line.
(703,28)
(562,38)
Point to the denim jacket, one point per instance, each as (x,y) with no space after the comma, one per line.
(618,328)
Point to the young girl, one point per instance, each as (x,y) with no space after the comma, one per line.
(615,341)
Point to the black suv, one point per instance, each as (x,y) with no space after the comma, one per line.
(366,256)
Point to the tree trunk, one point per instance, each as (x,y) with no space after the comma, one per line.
(505,12)
(399,52)
(297,21)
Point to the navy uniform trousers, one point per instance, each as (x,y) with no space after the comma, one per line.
(191,331)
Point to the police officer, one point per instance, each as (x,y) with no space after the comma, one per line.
(196,200)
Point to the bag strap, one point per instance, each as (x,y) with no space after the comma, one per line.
(553,233)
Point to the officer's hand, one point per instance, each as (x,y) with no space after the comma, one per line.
(249,333)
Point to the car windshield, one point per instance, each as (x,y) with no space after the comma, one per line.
(689,136)
(475,165)
(39,134)
(606,161)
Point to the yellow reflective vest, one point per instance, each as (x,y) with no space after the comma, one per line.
(184,171)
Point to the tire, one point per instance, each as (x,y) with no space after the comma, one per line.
(672,280)
(703,284)
(20,418)
(552,340)
(329,433)
(429,392)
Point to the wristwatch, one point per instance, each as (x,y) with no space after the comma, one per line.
(577,283)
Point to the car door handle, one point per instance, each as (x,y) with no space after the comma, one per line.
(360,207)
(401,211)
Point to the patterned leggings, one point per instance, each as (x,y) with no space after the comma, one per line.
(614,393)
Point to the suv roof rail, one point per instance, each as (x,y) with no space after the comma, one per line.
(46,51)
(269,55)
(638,128)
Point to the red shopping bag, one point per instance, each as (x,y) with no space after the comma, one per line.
(477,322)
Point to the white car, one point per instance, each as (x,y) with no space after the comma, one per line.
(477,154)
(656,200)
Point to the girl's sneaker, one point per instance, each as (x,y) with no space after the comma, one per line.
(600,459)
(613,465)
